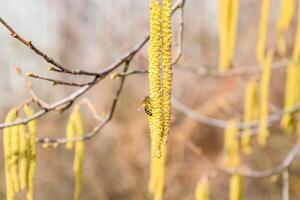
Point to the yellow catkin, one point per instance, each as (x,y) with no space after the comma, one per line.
(251,111)
(70,132)
(23,157)
(167,66)
(79,153)
(32,129)
(202,190)
(231,145)
(287,11)
(228,18)
(157,175)
(15,157)
(156,121)
(264,99)
(263,30)
(236,187)
(7,139)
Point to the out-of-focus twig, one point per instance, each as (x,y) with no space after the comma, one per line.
(285,185)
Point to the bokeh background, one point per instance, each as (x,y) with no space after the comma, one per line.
(90,35)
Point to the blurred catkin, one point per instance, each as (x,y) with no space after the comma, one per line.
(251,112)
(15,157)
(263,30)
(156,120)
(264,99)
(167,66)
(157,174)
(32,128)
(228,19)
(202,190)
(287,12)
(23,157)
(79,152)
(70,131)
(231,145)
(7,141)
(236,187)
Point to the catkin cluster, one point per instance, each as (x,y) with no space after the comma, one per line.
(75,129)
(228,18)
(287,12)
(160,86)
(251,113)
(20,155)
(263,30)
(231,145)
(202,190)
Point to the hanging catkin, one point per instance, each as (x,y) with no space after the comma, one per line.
(231,145)
(236,187)
(264,99)
(202,190)
(156,120)
(32,128)
(79,152)
(228,18)
(251,112)
(23,157)
(70,132)
(263,30)
(287,11)
(157,175)
(167,66)
(7,140)
(15,157)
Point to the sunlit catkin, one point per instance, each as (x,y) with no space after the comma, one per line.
(157,174)
(228,18)
(15,157)
(251,111)
(7,140)
(79,152)
(287,11)
(264,99)
(167,66)
(236,187)
(263,30)
(23,156)
(231,145)
(70,131)
(32,128)
(156,120)
(202,190)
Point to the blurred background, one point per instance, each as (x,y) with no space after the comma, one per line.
(90,35)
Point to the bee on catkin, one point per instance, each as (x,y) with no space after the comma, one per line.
(156,121)
(264,99)
(32,128)
(251,112)
(231,145)
(157,174)
(202,190)
(236,187)
(228,18)
(263,30)
(287,12)
(7,141)
(147,106)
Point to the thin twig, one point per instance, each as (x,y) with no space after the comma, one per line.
(285,185)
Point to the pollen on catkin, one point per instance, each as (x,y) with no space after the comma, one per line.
(236,187)
(79,152)
(7,140)
(167,66)
(231,145)
(157,174)
(264,99)
(228,18)
(23,157)
(263,30)
(287,12)
(251,112)
(32,129)
(202,190)
(156,120)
